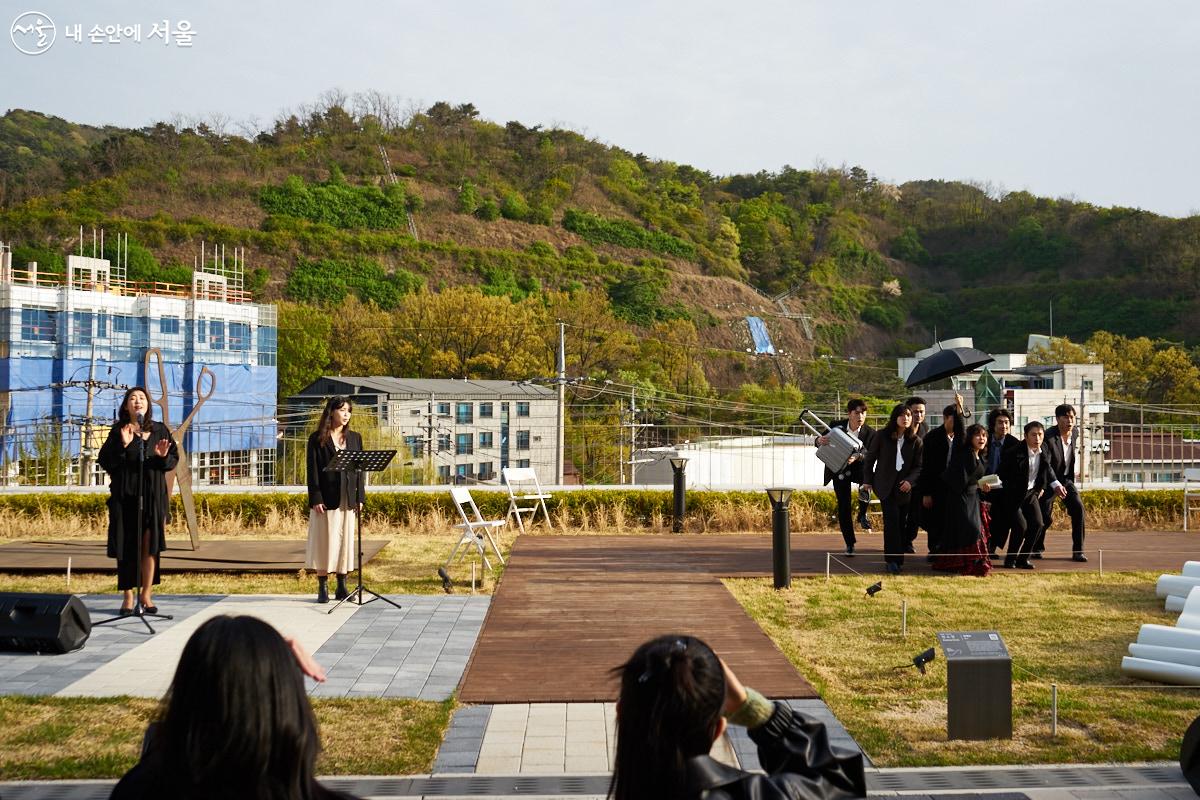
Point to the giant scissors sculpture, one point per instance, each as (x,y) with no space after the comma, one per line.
(183,470)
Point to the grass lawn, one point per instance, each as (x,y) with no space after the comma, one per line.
(1071,629)
(56,738)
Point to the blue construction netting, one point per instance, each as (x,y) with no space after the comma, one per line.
(240,415)
(762,339)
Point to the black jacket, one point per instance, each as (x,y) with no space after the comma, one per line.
(794,749)
(935,459)
(1014,474)
(1052,448)
(853,472)
(326,487)
(879,467)
(121,462)
(1007,443)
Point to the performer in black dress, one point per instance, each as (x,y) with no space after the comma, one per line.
(965,524)
(119,457)
(334,499)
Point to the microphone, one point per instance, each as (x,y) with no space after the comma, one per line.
(140,418)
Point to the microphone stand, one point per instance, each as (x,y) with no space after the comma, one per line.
(139,610)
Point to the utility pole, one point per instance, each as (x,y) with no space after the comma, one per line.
(562,401)
(85,452)
(429,451)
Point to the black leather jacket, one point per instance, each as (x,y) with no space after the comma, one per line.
(794,749)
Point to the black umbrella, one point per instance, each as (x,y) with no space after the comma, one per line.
(945,363)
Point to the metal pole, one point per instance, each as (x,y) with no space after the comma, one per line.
(781,551)
(828,557)
(1054,709)
(562,400)
(1101,560)
(904,618)
(680,487)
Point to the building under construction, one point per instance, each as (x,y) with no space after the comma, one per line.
(71,344)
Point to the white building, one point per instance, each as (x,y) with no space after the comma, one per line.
(466,431)
(736,462)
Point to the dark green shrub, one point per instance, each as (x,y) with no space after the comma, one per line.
(488,210)
(337,203)
(596,229)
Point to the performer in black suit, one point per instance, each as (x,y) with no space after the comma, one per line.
(1000,422)
(856,425)
(891,467)
(334,499)
(1059,448)
(964,541)
(1026,474)
(938,444)
(912,514)
(120,458)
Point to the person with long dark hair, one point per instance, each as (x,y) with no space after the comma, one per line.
(891,468)
(334,499)
(120,457)
(676,699)
(236,722)
(965,525)
(997,507)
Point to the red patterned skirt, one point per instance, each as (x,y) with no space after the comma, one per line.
(972,560)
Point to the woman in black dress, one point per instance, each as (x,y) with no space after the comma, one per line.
(334,499)
(966,529)
(135,430)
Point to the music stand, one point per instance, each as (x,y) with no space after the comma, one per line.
(356,462)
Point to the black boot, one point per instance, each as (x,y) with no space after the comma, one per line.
(341,593)
(322,588)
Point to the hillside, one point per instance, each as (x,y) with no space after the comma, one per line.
(677,255)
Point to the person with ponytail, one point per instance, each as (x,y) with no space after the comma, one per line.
(677,698)
(334,499)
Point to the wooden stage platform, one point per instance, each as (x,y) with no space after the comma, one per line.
(569,608)
(224,555)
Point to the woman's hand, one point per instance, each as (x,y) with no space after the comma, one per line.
(319,508)
(905,487)
(127,433)
(162,448)
(735,692)
(926,502)
(985,487)
(308,665)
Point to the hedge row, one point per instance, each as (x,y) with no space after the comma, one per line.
(638,506)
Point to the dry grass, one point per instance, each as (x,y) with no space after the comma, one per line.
(55,738)
(407,565)
(1071,629)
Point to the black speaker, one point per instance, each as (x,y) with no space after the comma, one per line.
(43,623)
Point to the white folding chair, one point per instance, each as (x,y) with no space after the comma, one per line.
(475,529)
(524,488)
(1191,493)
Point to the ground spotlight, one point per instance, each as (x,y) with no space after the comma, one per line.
(920,660)
(874,588)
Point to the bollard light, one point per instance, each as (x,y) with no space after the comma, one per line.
(678,465)
(781,546)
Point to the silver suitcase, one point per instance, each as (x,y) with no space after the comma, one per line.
(842,450)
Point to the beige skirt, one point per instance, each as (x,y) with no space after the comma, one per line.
(331,541)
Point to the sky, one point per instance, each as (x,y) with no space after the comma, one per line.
(1085,99)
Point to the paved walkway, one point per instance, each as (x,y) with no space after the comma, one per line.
(418,651)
